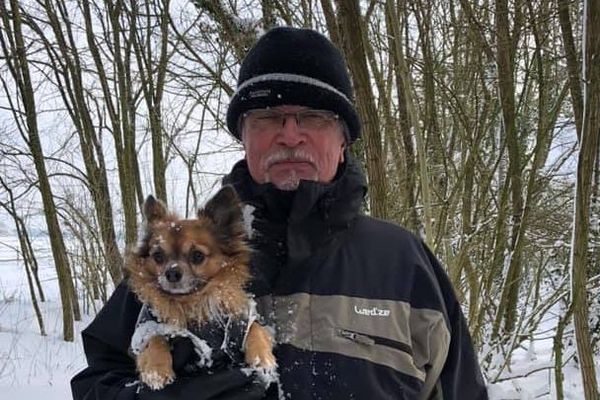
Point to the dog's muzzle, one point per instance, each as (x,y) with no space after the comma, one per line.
(175,281)
(174,274)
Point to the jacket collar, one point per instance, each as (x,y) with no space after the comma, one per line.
(335,203)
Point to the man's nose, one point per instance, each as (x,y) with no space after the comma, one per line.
(290,134)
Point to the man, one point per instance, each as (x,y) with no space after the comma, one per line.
(361,309)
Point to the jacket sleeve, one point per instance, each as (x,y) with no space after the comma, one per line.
(461,376)
(111,371)
(106,343)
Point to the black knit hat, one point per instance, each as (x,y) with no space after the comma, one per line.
(294,66)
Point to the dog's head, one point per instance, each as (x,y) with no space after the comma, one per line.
(181,258)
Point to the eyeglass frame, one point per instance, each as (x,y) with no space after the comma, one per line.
(285,115)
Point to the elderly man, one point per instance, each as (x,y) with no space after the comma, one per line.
(360,307)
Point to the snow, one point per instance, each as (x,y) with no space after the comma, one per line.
(155,381)
(531,374)
(248,216)
(33,366)
(266,376)
(36,367)
(147,329)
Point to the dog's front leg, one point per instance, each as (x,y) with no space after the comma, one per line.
(155,363)
(259,348)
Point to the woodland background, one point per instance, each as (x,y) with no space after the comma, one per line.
(481,133)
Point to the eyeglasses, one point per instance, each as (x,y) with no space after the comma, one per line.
(268,120)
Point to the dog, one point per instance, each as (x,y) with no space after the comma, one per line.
(190,276)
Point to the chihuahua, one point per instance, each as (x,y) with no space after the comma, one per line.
(190,274)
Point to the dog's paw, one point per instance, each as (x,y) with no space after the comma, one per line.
(260,358)
(259,348)
(155,364)
(156,379)
(263,369)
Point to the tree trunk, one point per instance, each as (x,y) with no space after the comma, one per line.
(558,347)
(74,95)
(435,145)
(152,74)
(407,175)
(573,65)
(506,89)
(590,140)
(405,94)
(352,31)
(20,71)
(26,252)
(332,23)
(123,121)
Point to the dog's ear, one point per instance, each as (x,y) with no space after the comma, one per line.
(154,210)
(224,210)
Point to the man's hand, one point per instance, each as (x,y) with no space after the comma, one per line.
(220,385)
(225,384)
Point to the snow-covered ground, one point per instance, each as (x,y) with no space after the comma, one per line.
(33,366)
(532,369)
(36,367)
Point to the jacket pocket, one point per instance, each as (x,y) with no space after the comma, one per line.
(371,340)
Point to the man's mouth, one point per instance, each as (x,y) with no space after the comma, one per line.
(291,162)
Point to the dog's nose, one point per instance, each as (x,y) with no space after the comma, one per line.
(173,274)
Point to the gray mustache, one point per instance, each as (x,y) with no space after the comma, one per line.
(294,155)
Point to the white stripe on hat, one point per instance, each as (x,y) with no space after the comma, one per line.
(290,78)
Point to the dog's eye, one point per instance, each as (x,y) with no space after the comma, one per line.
(196,257)
(159,256)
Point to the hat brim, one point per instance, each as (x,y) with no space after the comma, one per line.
(273,93)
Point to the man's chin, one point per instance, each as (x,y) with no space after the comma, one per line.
(290,180)
(287,186)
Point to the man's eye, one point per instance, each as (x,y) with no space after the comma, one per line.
(196,257)
(268,120)
(316,119)
(159,257)
(314,114)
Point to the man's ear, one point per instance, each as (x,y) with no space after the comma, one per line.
(154,210)
(225,211)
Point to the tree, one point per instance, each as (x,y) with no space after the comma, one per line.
(70,84)
(12,42)
(29,259)
(353,34)
(588,150)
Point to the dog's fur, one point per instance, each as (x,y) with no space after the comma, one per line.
(211,258)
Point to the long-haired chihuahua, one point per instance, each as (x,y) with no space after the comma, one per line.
(189,274)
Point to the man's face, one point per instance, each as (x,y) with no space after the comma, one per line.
(285,153)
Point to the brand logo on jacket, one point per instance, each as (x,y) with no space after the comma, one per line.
(372,312)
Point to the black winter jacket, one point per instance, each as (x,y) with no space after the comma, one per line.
(360,307)
(111,372)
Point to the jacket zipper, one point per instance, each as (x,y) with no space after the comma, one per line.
(370,340)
